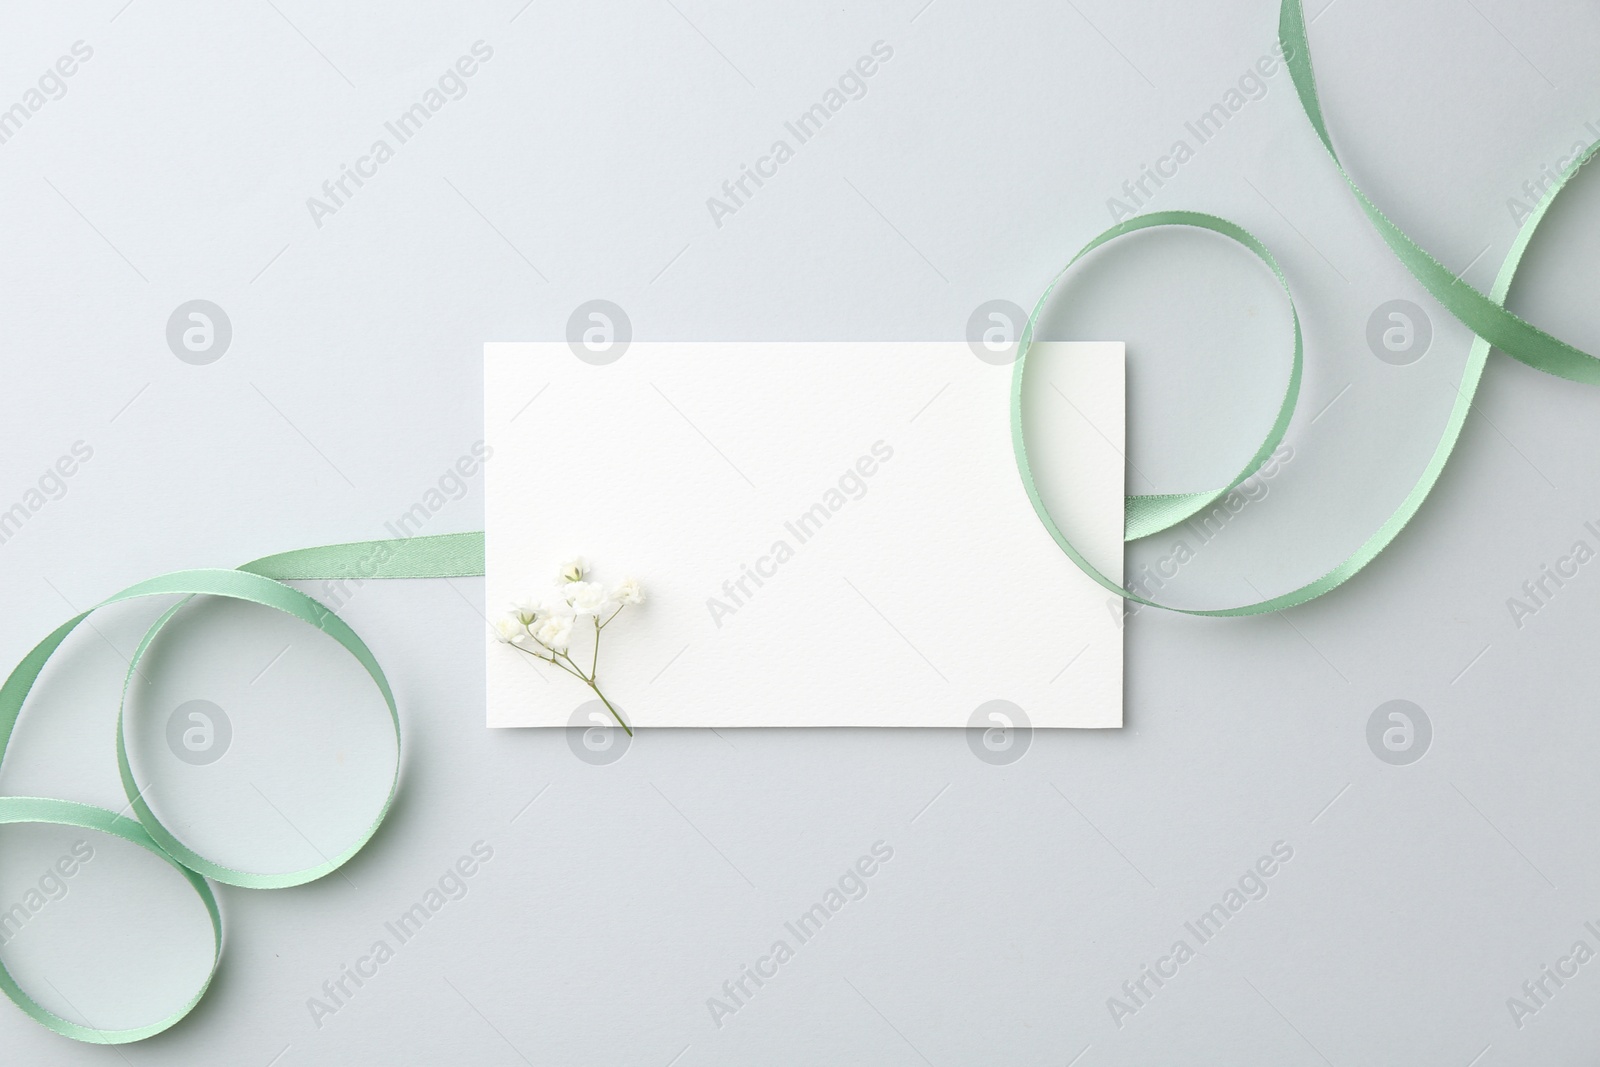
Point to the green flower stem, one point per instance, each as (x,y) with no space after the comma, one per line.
(613,711)
(565,662)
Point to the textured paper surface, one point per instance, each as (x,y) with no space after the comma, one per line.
(829,534)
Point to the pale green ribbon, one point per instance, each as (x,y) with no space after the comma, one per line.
(421,557)
(1484,314)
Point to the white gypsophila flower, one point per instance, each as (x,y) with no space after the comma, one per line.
(510,629)
(555,632)
(573,569)
(628,592)
(525,609)
(587,598)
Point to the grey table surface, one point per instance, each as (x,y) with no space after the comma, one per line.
(1419,889)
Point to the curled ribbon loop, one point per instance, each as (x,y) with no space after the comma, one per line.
(1484,314)
(89,817)
(448,555)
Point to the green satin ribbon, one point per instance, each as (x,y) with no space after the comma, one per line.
(1484,314)
(458,555)
(258,582)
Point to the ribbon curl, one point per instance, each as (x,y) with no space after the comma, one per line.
(259,582)
(1484,314)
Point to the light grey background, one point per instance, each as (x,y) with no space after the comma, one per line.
(1419,898)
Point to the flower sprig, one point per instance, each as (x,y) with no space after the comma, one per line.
(545,628)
